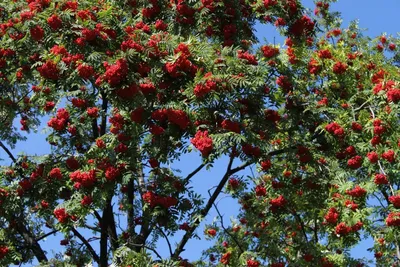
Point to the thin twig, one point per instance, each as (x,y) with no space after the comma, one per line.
(223,227)
(149,248)
(93,239)
(380,202)
(93,228)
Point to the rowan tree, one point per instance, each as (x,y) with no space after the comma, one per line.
(128,87)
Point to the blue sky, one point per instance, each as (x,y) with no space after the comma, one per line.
(376,16)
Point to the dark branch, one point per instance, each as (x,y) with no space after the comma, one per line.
(216,193)
(30,241)
(104,237)
(224,228)
(46,235)
(384,193)
(149,248)
(166,238)
(241,167)
(131,221)
(88,246)
(108,230)
(208,206)
(315,230)
(186,180)
(94,229)
(95,129)
(27,235)
(297,216)
(104,106)
(112,229)
(8,152)
(97,215)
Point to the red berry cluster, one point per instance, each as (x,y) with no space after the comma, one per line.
(83,179)
(59,123)
(155,200)
(61,215)
(203,142)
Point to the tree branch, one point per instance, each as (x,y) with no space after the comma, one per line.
(130,218)
(149,248)
(186,180)
(214,196)
(141,181)
(88,246)
(223,227)
(8,152)
(145,229)
(111,228)
(104,223)
(301,224)
(208,206)
(384,173)
(315,229)
(22,229)
(241,167)
(95,129)
(46,235)
(166,238)
(104,106)
(97,215)
(30,241)
(93,228)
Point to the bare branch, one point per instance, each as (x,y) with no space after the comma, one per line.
(104,105)
(94,229)
(208,206)
(297,216)
(130,217)
(97,215)
(88,246)
(166,238)
(46,235)
(30,241)
(149,248)
(224,228)
(95,129)
(186,180)
(8,152)
(214,196)
(107,230)
(241,167)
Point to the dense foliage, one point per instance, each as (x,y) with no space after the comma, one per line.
(131,86)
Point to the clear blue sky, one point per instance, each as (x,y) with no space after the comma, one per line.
(377,16)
